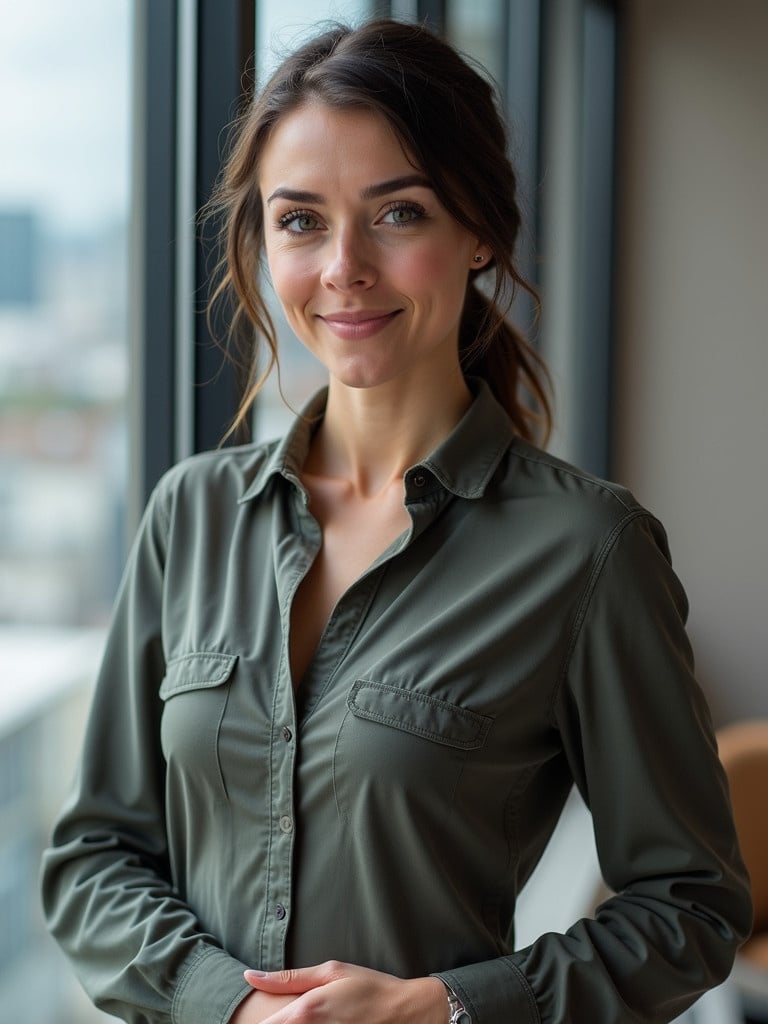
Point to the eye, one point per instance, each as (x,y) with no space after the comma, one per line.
(402,213)
(298,222)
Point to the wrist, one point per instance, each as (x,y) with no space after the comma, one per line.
(428,1001)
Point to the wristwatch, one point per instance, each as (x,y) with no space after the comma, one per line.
(458,1015)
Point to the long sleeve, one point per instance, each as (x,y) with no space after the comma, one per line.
(638,738)
(138,949)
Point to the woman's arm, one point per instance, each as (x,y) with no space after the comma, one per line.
(638,737)
(258,1007)
(137,948)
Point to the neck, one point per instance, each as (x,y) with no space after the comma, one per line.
(371,436)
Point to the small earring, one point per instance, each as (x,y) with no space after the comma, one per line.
(478,258)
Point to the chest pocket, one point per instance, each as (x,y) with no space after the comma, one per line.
(404,746)
(195,692)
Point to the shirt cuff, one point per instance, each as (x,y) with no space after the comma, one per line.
(210,990)
(492,991)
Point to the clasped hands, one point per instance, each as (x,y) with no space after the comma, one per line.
(339,993)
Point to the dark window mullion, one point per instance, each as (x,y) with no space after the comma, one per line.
(576,232)
(432,14)
(596,235)
(522,95)
(153,253)
(225,40)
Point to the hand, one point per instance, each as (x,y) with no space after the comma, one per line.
(338,993)
(258,1007)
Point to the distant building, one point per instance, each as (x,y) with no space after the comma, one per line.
(20,254)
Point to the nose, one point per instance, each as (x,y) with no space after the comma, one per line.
(349,263)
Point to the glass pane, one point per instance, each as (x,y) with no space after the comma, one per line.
(280,28)
(64,183)
(478,30)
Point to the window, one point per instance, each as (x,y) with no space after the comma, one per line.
(64,187)
(65,458)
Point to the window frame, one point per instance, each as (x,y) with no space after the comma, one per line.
(193,72)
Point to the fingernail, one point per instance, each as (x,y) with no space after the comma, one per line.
(255,974)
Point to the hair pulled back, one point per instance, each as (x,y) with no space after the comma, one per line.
(446,117)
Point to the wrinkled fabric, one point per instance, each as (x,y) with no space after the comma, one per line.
(525,633)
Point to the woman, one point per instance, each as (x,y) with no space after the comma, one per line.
(352,676)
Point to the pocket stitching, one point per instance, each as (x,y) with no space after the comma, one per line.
(482,722)
(168,688)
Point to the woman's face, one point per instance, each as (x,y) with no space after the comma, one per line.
(370,268)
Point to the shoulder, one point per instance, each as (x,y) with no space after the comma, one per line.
(534,471)
(221,477)
(569,506)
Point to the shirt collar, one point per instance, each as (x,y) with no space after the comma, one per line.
(463,463)
(467,459)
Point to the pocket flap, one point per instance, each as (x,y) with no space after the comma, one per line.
(199,670)
(418,713)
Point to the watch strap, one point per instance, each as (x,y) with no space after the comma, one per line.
(456,1009)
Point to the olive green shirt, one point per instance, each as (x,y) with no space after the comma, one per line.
(524,633)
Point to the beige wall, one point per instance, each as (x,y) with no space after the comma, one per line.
(692,387)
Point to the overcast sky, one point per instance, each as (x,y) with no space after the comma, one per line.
(64,109)
(65,90)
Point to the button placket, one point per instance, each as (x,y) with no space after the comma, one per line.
(300,539)
(292,563)
(279,873)
(279,880)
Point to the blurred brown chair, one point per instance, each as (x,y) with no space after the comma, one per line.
(743,750)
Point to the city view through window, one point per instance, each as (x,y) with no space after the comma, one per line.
(65,129)
(65,82)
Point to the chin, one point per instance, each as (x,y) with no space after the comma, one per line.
(363,377)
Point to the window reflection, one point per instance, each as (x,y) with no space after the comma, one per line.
(479,31)
(64,185)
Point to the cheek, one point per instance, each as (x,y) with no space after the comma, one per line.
(433,265)
(292,278)
(437,275)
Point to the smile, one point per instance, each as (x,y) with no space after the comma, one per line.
(361,324)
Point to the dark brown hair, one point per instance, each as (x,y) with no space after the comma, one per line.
(446,117)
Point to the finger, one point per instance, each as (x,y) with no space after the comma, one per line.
(292,982)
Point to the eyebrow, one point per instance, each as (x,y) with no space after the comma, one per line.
(370,192)
(394,185)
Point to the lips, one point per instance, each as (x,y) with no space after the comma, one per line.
(363,323)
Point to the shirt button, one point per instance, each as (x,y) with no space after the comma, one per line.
(419,480)
(286,824)
(286,733)
(280,912)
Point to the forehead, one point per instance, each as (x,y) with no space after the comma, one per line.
(321,145)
